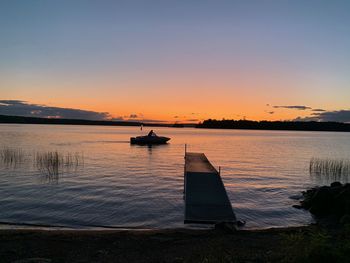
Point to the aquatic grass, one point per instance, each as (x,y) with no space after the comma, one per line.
(11,156)
(53,163)
(330,169)
(50,163)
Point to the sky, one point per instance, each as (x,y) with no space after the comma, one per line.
(176,61)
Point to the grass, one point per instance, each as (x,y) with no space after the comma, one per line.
(53,162)
(11,156)
(332,169)
(317,246)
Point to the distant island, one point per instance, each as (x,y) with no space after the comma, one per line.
(275,125)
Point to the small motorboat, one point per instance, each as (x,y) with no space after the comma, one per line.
(151,138)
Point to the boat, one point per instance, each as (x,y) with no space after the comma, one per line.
(149,139)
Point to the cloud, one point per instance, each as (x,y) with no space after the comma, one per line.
(318,110)
(271,112)
(336,116)
(192,120)
(296,107)
(23,108)
(133,116)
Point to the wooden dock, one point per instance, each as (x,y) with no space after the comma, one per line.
(206,200)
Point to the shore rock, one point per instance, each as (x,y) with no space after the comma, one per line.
(333,200)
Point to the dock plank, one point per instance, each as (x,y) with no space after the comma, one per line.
(206,200)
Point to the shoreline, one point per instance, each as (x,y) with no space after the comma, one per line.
(154,245)
(27,226)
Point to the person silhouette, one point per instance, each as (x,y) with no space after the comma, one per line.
(150,133)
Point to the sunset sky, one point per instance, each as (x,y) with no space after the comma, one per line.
(176,60)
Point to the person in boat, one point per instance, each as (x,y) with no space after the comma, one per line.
(151,133)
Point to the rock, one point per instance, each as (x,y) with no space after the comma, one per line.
(342,202)
(328,201)
(296,197)
(336,184)
(321,201)
(335,190)
(240,223)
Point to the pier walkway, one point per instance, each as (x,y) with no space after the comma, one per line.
(206,200)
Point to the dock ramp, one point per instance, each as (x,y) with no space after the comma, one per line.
(206,200)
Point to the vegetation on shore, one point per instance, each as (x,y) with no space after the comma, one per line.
(274,125)
(301,244)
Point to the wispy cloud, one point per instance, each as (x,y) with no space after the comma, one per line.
(336,116)
(295,107)
(318,110)
(23,108)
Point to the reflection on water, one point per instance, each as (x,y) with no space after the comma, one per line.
(123,185)
(150,148)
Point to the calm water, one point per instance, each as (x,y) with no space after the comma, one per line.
(136,186)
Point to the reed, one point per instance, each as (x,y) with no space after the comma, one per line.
(54,162)
(332,169)
(11,156)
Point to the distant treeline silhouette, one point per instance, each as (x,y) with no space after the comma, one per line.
(275,125)
(34,120)
(210,123)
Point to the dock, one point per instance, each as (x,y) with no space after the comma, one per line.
(206,200)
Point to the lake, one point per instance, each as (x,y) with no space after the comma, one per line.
(130,186)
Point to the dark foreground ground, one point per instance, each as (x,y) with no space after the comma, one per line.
(303,244)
